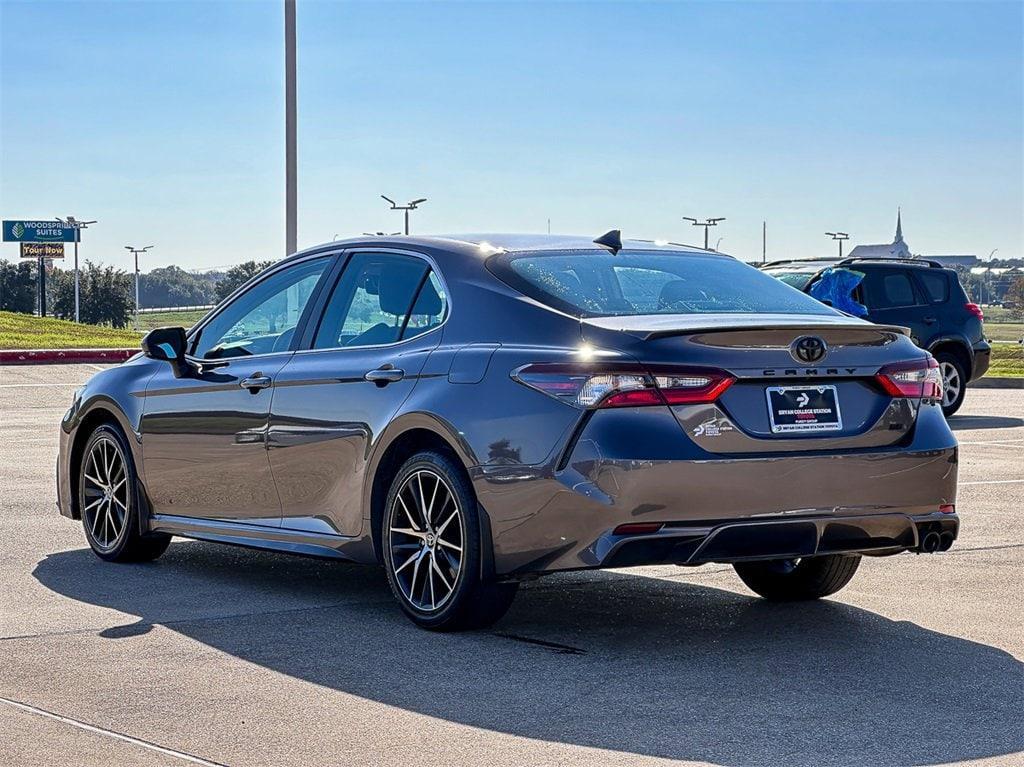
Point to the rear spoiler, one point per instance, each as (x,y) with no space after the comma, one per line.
(650,327)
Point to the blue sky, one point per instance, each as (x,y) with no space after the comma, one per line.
(165,121)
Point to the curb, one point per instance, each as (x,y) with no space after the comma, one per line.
(995,382)
(52,356)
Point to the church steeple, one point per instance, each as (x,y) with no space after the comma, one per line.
(899,226)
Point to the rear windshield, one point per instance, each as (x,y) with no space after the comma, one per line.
(598,284)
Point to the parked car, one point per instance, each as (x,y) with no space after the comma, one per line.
(917,294)
(472,411)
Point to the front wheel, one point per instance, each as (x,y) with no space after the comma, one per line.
(108,499)
(790,580)
(432,552)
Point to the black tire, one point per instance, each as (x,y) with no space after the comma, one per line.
(110,540)
(951,364)
(791,580)
(471,602)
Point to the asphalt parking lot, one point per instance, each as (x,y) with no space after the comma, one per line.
(221,655)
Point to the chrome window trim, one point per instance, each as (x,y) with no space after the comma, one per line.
(348,253)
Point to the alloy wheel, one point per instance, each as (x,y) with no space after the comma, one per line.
(950,383)
(105,493)
(425,540)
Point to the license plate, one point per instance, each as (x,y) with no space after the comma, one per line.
(803,408)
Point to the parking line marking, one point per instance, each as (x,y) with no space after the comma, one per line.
(990,482)
(997,442)
(36,385)
(110,733)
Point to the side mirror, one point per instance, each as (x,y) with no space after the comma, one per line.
(168,344)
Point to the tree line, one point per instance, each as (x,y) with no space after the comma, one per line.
(107,294)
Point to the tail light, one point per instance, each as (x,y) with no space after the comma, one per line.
(975,310)
(920,378)
(587,386)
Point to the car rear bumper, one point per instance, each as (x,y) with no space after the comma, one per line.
(876,534)
(982,359)
(714,507)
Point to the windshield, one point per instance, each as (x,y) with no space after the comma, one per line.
(797,280)
(596,284)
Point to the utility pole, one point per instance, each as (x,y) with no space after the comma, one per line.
(839,237)
(135,252)
(707,224)
(79,226)
(291,204)
(413,205)
(764,242)
(42,287)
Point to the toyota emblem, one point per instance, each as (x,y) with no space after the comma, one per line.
(808,349)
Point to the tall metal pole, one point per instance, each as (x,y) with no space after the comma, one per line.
(78,236)
(136,289)
(42,287)
(78,227)
(290,124)
(135,252)
(764,242)
(839,237)
(707,224)
(412,205)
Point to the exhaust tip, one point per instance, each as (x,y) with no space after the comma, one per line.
(945,541)
(931,543)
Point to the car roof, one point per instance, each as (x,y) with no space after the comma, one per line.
(496,242)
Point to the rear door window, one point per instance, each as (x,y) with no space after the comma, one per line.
(936,286)
(889,289)
(373,302)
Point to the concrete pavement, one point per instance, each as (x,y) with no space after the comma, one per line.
(229,656)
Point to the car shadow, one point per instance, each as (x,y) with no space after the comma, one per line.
(966,422)
(655,667)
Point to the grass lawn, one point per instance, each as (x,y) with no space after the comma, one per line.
(1007,360)
(150,320)
(23,331)
(1004,331)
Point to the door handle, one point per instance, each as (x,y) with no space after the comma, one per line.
(929,320)
(384,375)
(255,382)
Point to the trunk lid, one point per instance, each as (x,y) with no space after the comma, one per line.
(838,392)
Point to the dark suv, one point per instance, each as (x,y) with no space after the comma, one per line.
(916,293)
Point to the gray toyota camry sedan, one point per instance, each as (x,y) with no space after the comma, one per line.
(472,411)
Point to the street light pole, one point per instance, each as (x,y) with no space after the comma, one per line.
(839,237)
(79,226)
(290,126)
(707,224)
(413,205)
(135,252)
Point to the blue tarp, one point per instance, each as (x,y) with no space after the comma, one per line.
(835,287)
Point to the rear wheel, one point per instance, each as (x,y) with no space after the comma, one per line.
(954,381)
(108,498)
(432,552)
(789,580)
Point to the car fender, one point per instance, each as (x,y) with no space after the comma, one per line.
(954,338)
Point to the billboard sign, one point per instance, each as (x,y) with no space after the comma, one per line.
(39,231)
(42,250)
